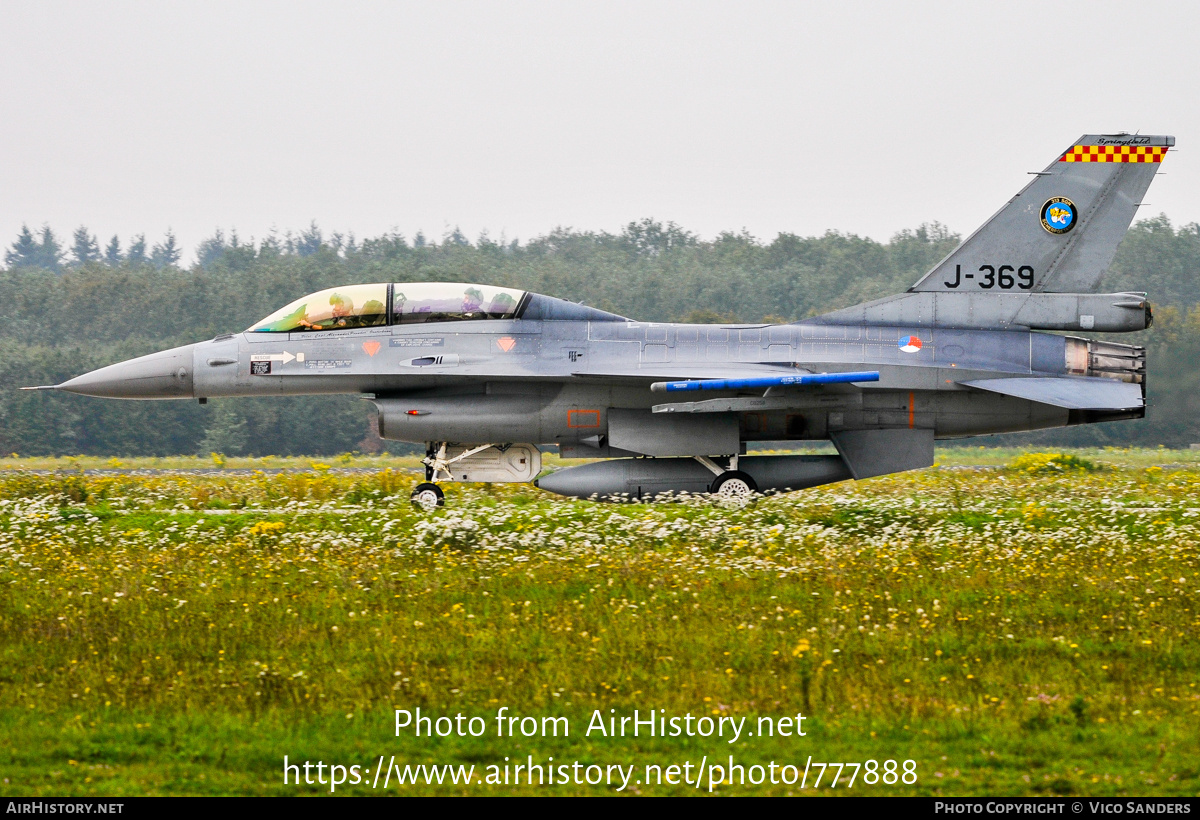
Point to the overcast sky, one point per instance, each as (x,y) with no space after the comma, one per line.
(517,117)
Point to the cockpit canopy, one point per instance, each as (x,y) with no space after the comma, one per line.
(405,303)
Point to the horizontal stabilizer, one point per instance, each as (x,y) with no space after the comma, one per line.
(757,382)
(1081,393)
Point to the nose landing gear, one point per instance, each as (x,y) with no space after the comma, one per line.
(428,496)
(466,463)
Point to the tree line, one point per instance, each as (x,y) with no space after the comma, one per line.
(65,309)
(46,252)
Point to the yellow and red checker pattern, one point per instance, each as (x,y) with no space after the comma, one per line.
(1115,153)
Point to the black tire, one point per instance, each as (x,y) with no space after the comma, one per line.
(733,485)
(427,496)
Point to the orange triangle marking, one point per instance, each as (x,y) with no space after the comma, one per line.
(506,343)
(371,348)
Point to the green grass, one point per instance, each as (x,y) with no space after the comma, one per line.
(1012,631)
(948,454)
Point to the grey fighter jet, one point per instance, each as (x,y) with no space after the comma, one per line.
(484,376)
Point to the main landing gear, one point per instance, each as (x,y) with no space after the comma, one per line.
(731,485)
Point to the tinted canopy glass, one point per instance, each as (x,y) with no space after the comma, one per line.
(413,303)
(332,309)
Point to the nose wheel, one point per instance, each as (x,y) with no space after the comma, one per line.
(428,496)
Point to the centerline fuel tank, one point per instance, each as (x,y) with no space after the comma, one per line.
(637,478)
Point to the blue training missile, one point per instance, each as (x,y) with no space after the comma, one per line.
(766,381)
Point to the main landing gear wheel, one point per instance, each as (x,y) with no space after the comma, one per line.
(428,496)
(734,486)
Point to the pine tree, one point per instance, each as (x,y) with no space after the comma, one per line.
(227,432)
(212,249)
(310,240)
(112,254)
(25,252)
(51,251)
(137,250)
(166,253)
(84,249)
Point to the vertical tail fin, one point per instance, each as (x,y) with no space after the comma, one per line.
(1059,234)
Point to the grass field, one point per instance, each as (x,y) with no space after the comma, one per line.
(1013,624)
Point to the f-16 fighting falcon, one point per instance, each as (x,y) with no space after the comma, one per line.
(484,376)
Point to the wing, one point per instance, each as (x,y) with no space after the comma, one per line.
(674,371)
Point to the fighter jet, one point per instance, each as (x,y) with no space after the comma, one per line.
(486,376)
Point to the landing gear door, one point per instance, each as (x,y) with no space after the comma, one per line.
(504,464)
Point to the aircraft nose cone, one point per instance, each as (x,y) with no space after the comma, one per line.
(163,375)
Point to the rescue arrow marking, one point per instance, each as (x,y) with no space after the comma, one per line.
(284,357)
